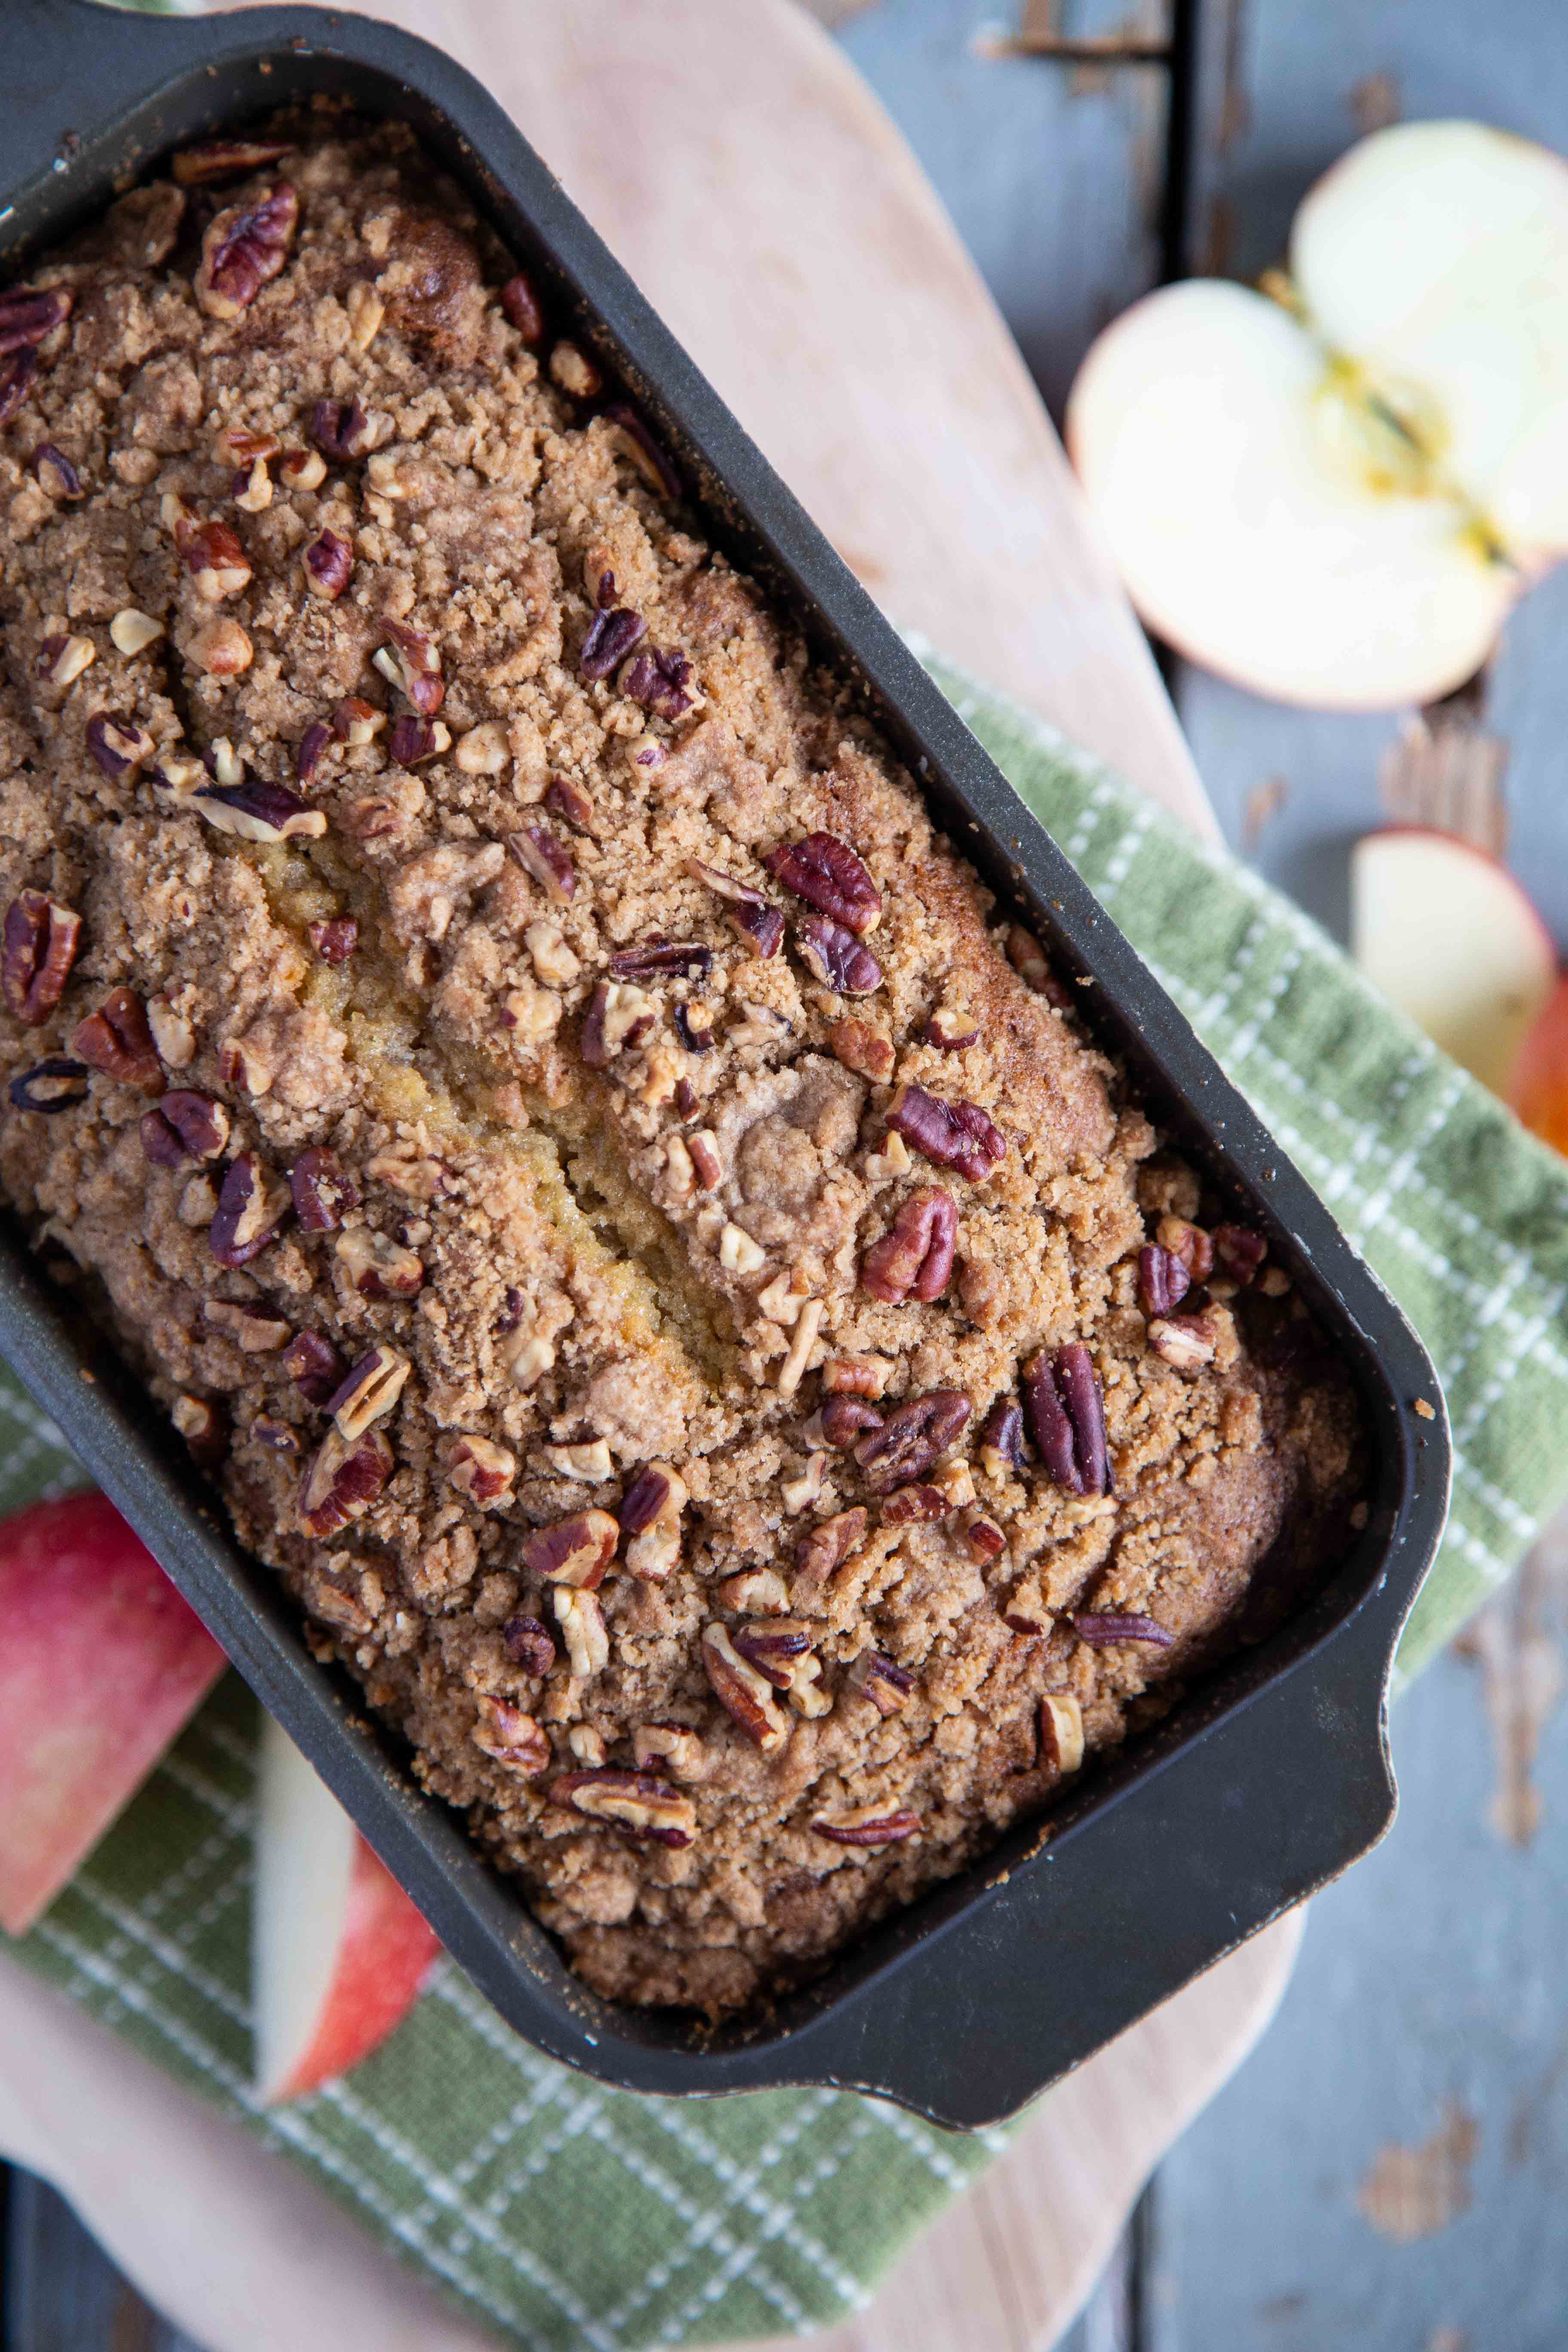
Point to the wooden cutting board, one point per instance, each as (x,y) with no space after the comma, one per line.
(751,182)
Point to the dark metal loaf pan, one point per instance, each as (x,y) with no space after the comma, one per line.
(1269,1776)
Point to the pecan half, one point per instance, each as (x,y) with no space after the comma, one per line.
(745,1694)
(512,1737)
(117,1041)
(638,1803)
(329,561)
(867,1825)
(619,1016)
(1163,1280)
(258,811)
(315,1366)
(115,749)
(826,873)
(658,681)
(837,958)
(56,473)
(575,1551)
(50,1085)
(956,1135)
(845,1418)
(758,922)
(41,938)
(225,159)
(521,306)
(244,249)
(482,1471)
(249,1212)
(184,1127)
(887,1684)
(913,1436)
(377,1267)
(369,1390)
(914,1257)
(412,662)
(335,940)
(322,1190)
(829,1545)
(341,430)
(1100,1626)
(28,313)
(610,638)
(343,1480)
(1002,1439)
(1060,1732)
(548,861)
(1067,1418)
(583,1629)
(529,1644)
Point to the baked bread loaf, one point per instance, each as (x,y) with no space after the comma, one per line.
(646,1250)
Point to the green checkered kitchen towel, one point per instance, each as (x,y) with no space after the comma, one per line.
(476,2158)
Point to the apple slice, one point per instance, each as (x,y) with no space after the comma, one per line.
(340,1951)
(1446,931)
(1539,1088)
(102,1663)
(1334,495)
(1257,516)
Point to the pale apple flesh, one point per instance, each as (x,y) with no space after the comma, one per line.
(1253,521)
(340,1951)
(1333,498)
(1446,931)
(101,1665)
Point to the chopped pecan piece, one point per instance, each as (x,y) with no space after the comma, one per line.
(907,1504)
(650,956)
(482,1471)
(512,1738)
(117,1041)
(41,938)
(914,1258)
(250,1210)
(829,1545)
(694,1028)
(745,1694)
(984,1540)
(610,638)
(356,722)
(887,1684)
(521,306)
(673,1745)
(184,1127)
(738,1253)
(1067,1418)
(529,1644)
(56,473)
(172,1033)
(329,561)
(548,861)
(215,559)
(1062,1732)
(414,739)
(949,1031)
(243,250)
(647,453)
(590,1460)
(807,1324)
(1185,1341)
(575,1551)
(1240,1251)
(1163,1280)
(650,1514)
(222,649)
(837,958)
(131,631)
(1189,1243)
(1100,1626)
(847,1418)
(61,660)
(334,940)
(583,1629)
(569,800)
(258,811)
(377,1267)
(50,1085)
(343,1480)
(275,1435)
(574,372)
(1002,1440)
(17,370)
(862,1047)
(225,159)
(703,1147)
(638,1803)
(315,1366)
(204,1426)
(620,1015)
(30,313)
(912,1438)
(826,873)
(369,1390)
(867,1825)
(341,430)
(772,1648)
(322,1190)
(758,922)
(860,1376)
(956,1135)
(253,1334)
(412,662)
(658,682)
(115,749)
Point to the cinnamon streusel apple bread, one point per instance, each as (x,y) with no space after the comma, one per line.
(648,1252)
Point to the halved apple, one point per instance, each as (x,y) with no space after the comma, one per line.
(1446,931)
(1332,493)
(339,1949)
(1539,1088)
(101,1664)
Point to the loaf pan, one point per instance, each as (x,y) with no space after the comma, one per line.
(1272,1773)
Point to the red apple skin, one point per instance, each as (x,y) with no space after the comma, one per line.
(1539,1090)
(102,1663)
(386,1948)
